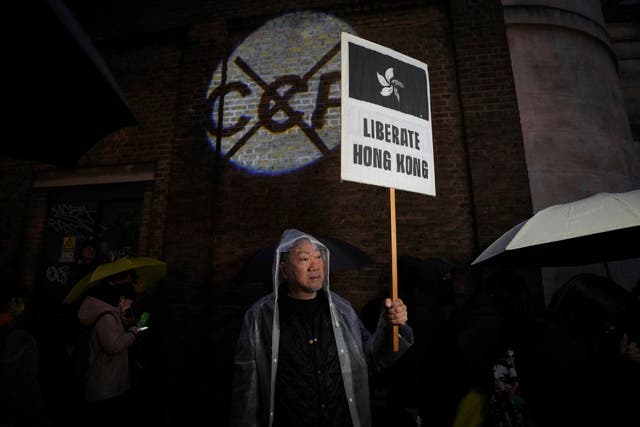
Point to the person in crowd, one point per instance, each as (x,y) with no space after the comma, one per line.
(303,356)
(86,262)
(635,292)
(605,319)
(20,394)
(408,393)
(107,310)
(549,367)
(484,351)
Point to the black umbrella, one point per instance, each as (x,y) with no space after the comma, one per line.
(59,94)
(343,256)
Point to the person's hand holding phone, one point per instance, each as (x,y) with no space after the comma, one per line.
(138,330)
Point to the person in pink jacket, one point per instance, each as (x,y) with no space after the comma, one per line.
(107,309)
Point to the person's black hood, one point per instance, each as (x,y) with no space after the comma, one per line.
(423,280)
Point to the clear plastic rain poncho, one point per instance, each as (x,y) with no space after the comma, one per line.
(256,356)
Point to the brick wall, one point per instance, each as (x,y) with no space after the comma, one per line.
(207,217)
(15,182)
(499,181)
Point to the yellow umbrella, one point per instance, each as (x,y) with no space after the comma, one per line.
(148,270)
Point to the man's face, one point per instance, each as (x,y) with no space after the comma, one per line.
(304,270)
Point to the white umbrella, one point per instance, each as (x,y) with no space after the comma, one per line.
(600,228)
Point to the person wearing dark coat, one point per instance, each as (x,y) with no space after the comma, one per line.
(409,393)
(604,318)
(21,399)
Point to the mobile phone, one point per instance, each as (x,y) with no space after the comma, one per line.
(142,328)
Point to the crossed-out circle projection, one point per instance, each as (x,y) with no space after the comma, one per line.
(281,106)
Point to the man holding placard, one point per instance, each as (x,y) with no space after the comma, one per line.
(303,356)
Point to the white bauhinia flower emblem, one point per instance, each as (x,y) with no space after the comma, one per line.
(389,84)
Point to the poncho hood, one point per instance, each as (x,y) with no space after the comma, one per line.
(287,240)
(91,308)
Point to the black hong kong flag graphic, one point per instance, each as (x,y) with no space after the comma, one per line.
(404,88)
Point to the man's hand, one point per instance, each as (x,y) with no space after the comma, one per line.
(394,312)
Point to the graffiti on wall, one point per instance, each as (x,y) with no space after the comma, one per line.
(58,274)
(280,97)
(81,235)
(75,220)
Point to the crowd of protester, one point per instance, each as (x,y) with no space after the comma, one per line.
(498,360)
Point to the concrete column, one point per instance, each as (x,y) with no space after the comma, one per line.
(575,127)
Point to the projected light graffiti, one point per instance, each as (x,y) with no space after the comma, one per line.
(281,95)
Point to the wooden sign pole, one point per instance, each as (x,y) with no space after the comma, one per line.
(394,261)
